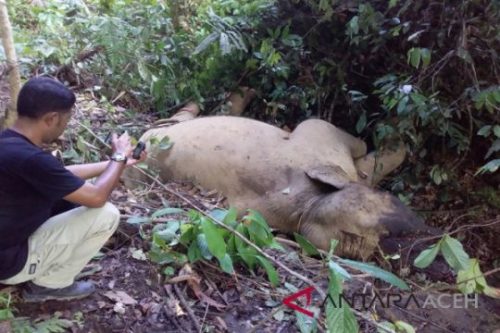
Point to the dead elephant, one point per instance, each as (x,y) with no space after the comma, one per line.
(316,180)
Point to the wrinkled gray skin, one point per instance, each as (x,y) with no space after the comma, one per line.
(315,180)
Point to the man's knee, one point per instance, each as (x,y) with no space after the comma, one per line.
(108,217)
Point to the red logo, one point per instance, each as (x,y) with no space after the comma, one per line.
(288,301)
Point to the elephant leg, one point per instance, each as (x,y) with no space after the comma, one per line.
(315,132)
(373,167)
(187,112)
(240,99)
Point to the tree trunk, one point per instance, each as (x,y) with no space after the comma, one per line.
(13,68)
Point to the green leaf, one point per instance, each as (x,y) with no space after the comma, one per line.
(333,246)
(339,319)
(376,272)
(426,56)
(333,266)
(492,166)
(165,257)
(194,253)
(393,3)
(168,231)
(231,216)
(402,105)
(495,146)
(308,248)
(403,327)
(342,320)
(272,274)
(258,218)
(187,233)
(246,253)
(226,263)
(139,219)
(6,314)
(201,241)
(496,130)
(169,271)
(484,131)
(143,71)
(167,211)
(387,327)
(427,256)
(216,243)
(305,323)
(354,26)
(414,57)
(206,43)
(165,143)
(361,123)
(454,254)
(259,234)
(218,214)
(472,279)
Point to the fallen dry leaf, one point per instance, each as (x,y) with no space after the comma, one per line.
(194,282)
(119,308)
(120,297)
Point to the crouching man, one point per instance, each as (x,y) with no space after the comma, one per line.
(44,240)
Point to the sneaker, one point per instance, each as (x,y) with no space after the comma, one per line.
(36,293)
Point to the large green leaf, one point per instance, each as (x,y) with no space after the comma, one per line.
(272,274)
(339,318)
(216,243)
(376,272)
(427,256)
(454,254)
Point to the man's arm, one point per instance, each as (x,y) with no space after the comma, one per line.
(89,170)
(96,195)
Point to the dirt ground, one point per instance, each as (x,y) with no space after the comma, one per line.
(135,296)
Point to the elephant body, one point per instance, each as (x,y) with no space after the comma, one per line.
(312,180)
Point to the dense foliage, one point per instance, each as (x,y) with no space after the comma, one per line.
(428,72)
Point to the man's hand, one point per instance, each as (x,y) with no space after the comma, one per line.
(96,195)
(132,161)
(122,144)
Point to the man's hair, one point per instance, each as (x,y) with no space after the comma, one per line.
(42,95)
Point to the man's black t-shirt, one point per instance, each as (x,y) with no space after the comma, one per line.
(32,182)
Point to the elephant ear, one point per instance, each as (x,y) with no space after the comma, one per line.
(332,175)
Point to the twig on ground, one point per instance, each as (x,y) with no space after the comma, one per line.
(204,318)
(169,312)
(186,306)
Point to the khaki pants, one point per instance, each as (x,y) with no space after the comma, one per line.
(64,244)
